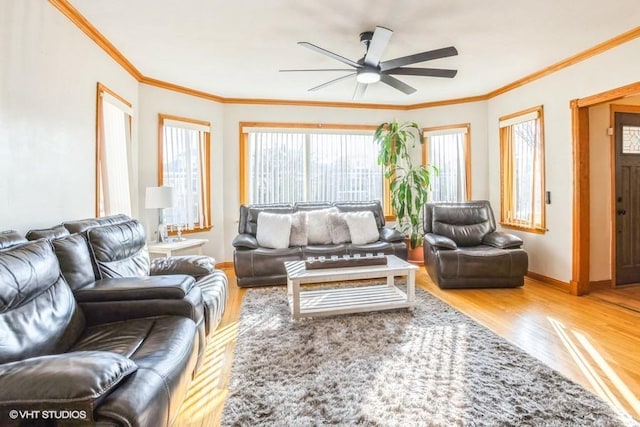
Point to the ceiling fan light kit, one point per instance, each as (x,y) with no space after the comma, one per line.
(370,69)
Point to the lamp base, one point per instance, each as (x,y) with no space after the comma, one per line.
(163,235)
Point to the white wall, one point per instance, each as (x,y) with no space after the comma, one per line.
(551,254)
(48,75)
(154,101)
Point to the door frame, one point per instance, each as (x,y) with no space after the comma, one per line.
(613,109)
(579,284)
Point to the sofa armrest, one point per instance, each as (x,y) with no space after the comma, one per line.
(136,288)
(75,381)
(192,265)
(440,241)
(245,241)
(502,240)
(390,235)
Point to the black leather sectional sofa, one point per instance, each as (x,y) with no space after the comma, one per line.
(258,266)
(89,325)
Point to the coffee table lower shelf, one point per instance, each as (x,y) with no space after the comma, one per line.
(329,302)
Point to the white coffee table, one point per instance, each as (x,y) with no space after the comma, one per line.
(349,299)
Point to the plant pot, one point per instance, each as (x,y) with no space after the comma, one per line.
(415,256)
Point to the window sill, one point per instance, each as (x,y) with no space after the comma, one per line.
(195,230)
(522,228)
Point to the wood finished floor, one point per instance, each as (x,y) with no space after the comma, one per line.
(625,296)
(594,343)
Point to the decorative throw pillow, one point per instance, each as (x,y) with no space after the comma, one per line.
(317,226)
(338,228)
(273,230)
(298,229)
(362,227)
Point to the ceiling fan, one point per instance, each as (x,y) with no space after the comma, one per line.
(369,69)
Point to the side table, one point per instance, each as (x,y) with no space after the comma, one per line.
(168,249)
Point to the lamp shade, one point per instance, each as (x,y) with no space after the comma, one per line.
(159,197)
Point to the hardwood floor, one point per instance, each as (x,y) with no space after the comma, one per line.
(625,296)
(594,343)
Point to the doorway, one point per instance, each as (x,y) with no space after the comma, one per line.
(627,198)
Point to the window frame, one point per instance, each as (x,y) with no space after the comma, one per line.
(542,229)
(466,145)
(207,162)
(244,154)
(100,90)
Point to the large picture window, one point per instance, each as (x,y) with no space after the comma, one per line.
(289,164)
(448,149)
(522,170)
(113,144)
(184,160)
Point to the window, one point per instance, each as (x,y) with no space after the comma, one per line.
(522,170)
(448,149)
(113,143)
(284,163)
(184,159)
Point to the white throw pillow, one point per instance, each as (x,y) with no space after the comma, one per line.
(318,227)
(273,230)
(362,227)
(298,229)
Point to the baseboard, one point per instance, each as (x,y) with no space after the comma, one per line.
(555,283)
(600,284)
(226,264)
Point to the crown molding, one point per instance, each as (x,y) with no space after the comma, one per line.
(81,22)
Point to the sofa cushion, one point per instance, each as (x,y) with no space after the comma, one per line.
(10,238)
(75,381)
(120,250)
(318,227)
(176,286)
(298,229)
(338,228)
(82,225)
(249,215)
(38,314)
(273,230)
(48,233)
(76,262)
(465,225)
(374,207)
(362,227)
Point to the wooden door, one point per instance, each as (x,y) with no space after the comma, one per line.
(627,212)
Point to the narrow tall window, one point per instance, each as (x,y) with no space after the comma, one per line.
(113,186)
(292,165)
(448,149)
(522,170)
(184,159)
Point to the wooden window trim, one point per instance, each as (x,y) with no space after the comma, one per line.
(100,89)
(161,120)
(503,136)
(467,149)
(244,150)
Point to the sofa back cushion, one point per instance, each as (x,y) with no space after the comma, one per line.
(76,262)
(465,224)
(120,250)
(10,238)
(38,314)
(249,215)
(54,232)
(82,225)
(374,206)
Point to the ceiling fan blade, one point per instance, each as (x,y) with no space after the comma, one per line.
(429,72)
(330,54)
(361,88)
(378,44)
(397,84)
(418,57)
(317,69)
(330,82)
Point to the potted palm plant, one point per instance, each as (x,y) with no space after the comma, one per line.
(408,182)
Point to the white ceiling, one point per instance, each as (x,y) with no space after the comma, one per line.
(235,48)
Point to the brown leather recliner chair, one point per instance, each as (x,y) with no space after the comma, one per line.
(462,248)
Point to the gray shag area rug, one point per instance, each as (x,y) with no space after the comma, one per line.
(435,367)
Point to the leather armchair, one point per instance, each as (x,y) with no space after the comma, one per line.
(462,248)
(131,371)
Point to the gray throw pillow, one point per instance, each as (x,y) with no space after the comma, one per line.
(298,229)
(338,228)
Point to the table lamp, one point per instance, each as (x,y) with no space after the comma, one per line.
(160,198)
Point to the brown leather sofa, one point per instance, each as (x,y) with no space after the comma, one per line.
(258,266)
(60,367)
(462,248)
